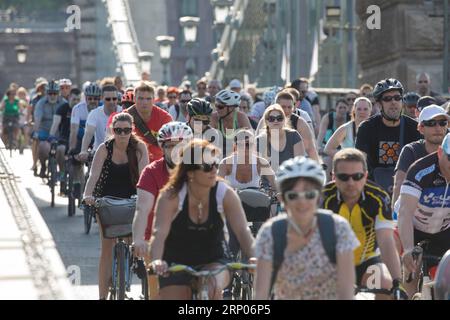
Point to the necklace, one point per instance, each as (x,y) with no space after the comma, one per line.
(299,231)
(199,206)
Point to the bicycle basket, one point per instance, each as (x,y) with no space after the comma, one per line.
(116,216)
(256,205)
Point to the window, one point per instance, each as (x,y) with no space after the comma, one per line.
(189,8)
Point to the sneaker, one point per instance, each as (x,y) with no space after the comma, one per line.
(43,172)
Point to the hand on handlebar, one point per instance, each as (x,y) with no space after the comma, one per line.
(398,291)
(159,267)
(409,261)
(140,248)
(90,200)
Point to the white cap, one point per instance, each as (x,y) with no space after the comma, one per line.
(432,112)
(235,84)
(65,82)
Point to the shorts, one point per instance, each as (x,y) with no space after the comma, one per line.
(439,242)
(184,279)
(14,122)
(43,135)
(362,268)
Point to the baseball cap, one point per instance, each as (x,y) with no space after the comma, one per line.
(425,102)
(65,82)
(446,144)
(432,112)
(235,84)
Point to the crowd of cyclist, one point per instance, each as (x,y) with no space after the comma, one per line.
(374,172)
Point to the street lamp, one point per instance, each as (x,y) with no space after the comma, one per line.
(190,26)
(221,10)
(145,59)
(21,52)
(165,52)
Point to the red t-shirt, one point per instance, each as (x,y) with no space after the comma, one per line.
(157,120)
(153,178)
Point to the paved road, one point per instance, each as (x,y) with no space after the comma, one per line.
(79,252)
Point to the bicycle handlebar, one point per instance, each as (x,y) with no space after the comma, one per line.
(234,266)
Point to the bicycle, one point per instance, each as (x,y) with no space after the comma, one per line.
(426,283)
(88,211)
(117,225)
(200,288)
(241,285)
(73,189)
(52,171)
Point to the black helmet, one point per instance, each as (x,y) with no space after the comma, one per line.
(199,107)
(385,86)
(52,87)
(411,99)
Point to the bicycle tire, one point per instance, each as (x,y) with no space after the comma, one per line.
(70,191)
(87,212)
(10,141)
(52,180)
(144,283)
(120,273)
(247,286)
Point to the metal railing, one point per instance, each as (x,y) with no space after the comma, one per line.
(125,41)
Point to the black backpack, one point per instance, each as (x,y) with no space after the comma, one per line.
(325,222)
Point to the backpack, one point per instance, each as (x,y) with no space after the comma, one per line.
(325,222)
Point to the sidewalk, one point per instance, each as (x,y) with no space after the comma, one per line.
(30,268)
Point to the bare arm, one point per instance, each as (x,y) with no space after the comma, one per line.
(308,138)
(262,279)
(166,209)
(331,148)
(236,217)
(399,178)
(317,117)
(389,254)
(143,154)
(266,170)
(322,131)
(144,205)
(55,124)
(299,149)
(346,277)
(408,206)
(96,169)
(244,122)
(87,138)
(223,169)
(214,120)
(73,136)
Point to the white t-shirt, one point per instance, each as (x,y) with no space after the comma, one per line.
(98,119)
(79,113)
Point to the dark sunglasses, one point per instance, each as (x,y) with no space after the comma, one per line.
(93,98)
(434,123)
(346,177)
(185,101)
(111,99)
(119,131)
(207,167)
(171,97)
(276,119)
(52,93)
(351,99)
(220,106)
(390,98)
(308,195)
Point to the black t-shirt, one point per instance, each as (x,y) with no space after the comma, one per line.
(410,154)
(382,143)
(65,111)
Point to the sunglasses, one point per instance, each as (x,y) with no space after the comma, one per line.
(125,131)
(111,99)
(171,97)
(273,119)
(93,98)
(307,195)
(185,101)
(390,98)
(434,123)
(52,93)
(351,99)
(346,177)
(207,167)
(220,106)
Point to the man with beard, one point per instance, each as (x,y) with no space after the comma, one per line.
(382,137)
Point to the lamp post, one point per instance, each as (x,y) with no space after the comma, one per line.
(190,26)
(145,60)
(165,53)
(333,19)
(221,16)
(21,52)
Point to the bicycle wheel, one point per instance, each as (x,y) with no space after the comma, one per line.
(70,190)
(121,254)
(52,179)
(87,212)
(247,286)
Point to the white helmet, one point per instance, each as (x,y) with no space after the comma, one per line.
(301,167)
(174,131)
(228,98)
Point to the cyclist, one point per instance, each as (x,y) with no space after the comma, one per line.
(115,171)
(424,208)
(277,143)
(43,117)
(246,107)
(78,120)
(97,120)
(148,119)
(383,136)
(60,130)
(172,98)
(10,108)
(260,107)
(306,272)
(128,98)
(65,85)
(40,89)
(199,119)
(301,85)
(201,89)
(331,122)
(299,112)
(179,111)
(367,208)
(345,135)
(189,227)
(214,86)
(228,119)
(410,105)
(25,115)
(153,179)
